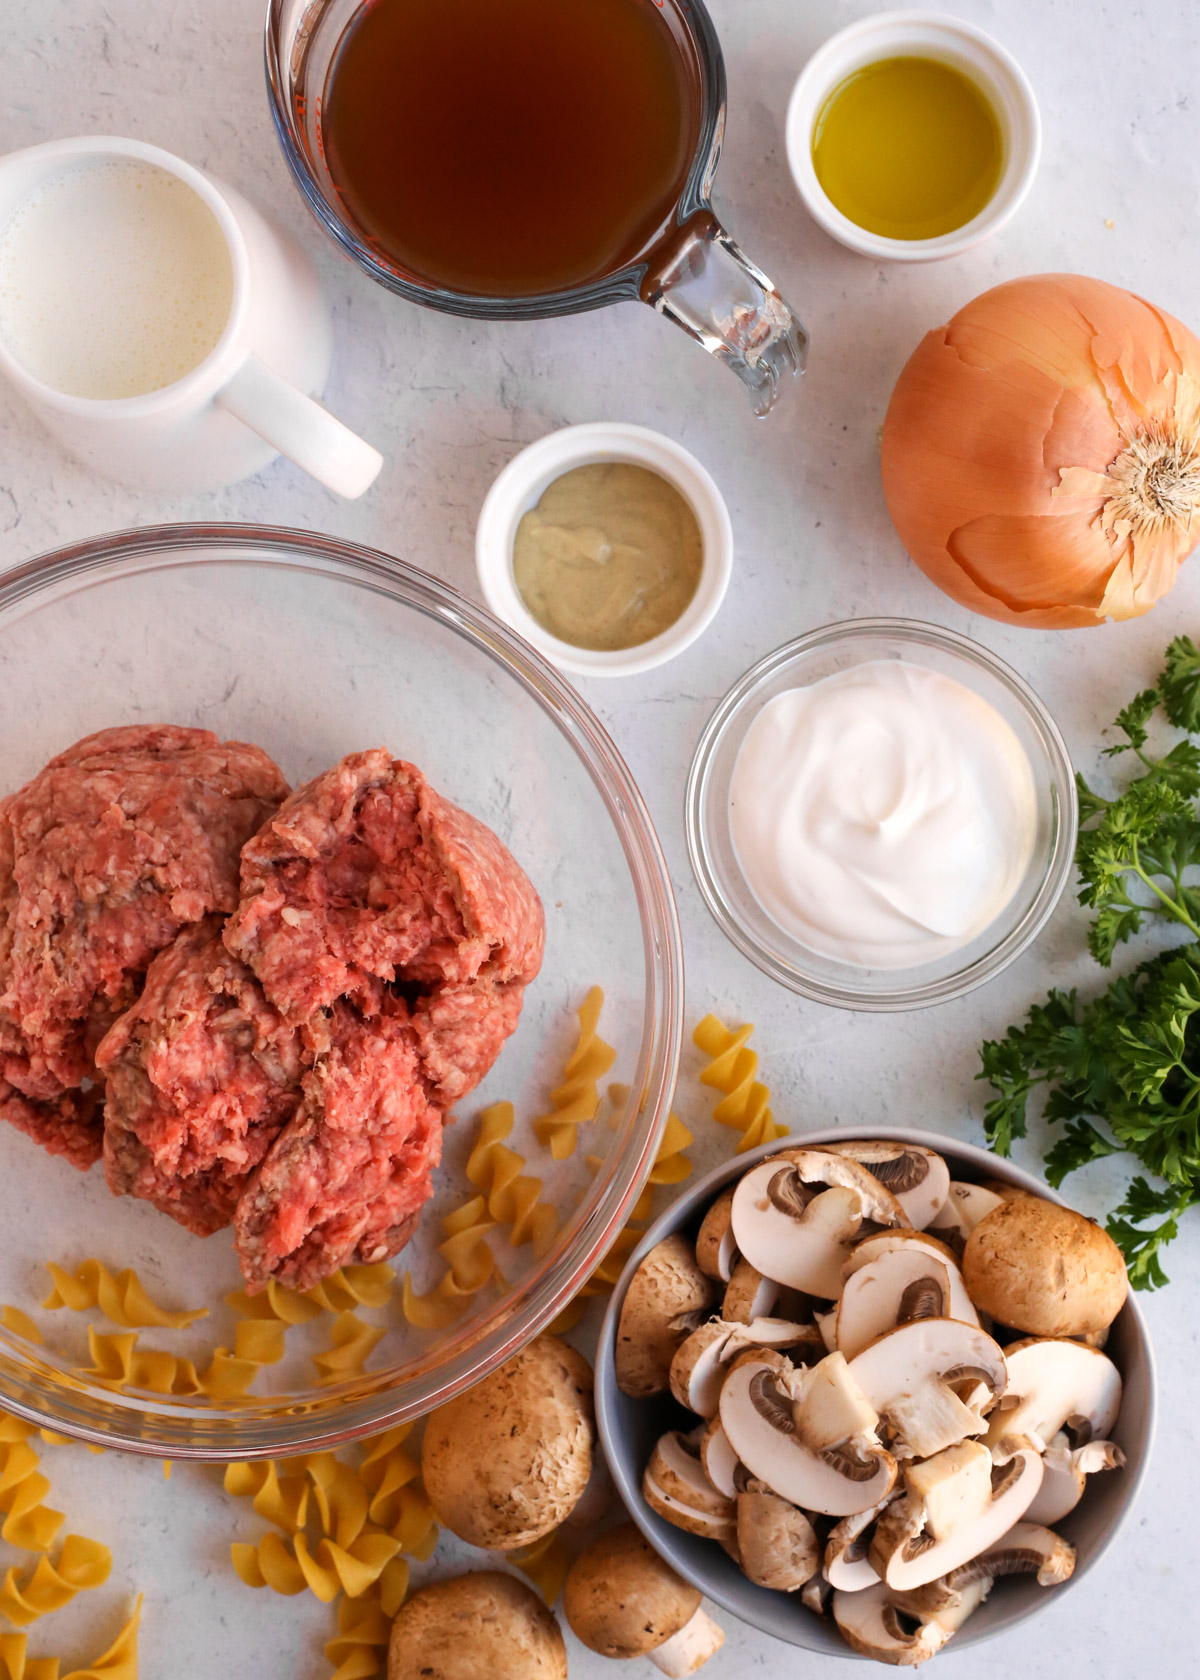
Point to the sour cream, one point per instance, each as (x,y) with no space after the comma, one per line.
(883,816)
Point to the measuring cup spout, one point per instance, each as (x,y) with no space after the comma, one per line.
(706,284)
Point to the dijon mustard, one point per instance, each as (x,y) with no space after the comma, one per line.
(609,558)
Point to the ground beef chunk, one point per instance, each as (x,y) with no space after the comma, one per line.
(201,1076)
(365,875)
(345,1178)
(116,844)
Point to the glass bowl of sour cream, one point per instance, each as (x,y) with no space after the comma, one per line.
(881,815)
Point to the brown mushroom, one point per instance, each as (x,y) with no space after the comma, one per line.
(482,1626)
(777,1544)
(509,1460)
(1044,1269)
(622,1600)
(667,1298)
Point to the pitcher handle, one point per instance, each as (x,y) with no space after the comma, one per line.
(301,429)
(706,284)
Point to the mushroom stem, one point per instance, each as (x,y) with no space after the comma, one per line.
(690,1648)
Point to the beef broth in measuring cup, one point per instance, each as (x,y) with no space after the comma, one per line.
(512,149)
(508,159)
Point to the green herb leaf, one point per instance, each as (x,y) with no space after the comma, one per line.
(1132,721)
(1121,1072)
(1180,684)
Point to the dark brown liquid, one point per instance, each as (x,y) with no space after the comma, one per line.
(511,147)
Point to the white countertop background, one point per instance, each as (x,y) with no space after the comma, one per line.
(449,402)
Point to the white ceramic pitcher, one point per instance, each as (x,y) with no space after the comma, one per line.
(249,400)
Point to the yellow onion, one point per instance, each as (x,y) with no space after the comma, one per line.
(1041,452)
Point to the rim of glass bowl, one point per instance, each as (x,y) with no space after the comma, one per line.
(922,994)
(281,1424)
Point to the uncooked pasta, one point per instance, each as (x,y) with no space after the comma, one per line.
(732,1070)
(122,1299)
(513,1199)
(577,1099)
(81,1566)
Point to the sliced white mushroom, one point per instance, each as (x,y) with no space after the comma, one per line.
(756,1415)
(911,1377)
(917,1177)
(907,1555)
(1027,1549)
(1055,1385)
(721,1463)
(676,1468)
(871,1248)
(795,1214)
(964,1207)
(800,1241)
(938,1602)
(667,1298)
(802,1342)
(682,1516)
(898,1287)
(816,1594)
(875,1626)
(697,1371)
(1065,1474)
(846,1565)
(832,1416)
(954,1487)
(750,1295)
(716,1250)
(826,1323)
(776,1542)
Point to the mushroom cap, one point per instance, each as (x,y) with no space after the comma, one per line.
(482,1626)
(667,1297)
(716,1252)
(622,1600)
(777,1543)
(1044,1269)
(509,1460)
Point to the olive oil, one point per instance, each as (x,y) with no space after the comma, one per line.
(908,148)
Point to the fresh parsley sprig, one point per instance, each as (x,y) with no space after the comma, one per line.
(1122,1071)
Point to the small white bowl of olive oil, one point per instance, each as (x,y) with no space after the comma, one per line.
(607,546)
(912,136)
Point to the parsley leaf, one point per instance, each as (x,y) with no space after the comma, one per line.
(1180,684)
(1119,1073)
(1132,721)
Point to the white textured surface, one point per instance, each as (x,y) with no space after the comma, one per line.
(449,402)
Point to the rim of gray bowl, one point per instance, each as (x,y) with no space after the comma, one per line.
(702,1563)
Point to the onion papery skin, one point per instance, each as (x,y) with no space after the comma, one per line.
(1001,440)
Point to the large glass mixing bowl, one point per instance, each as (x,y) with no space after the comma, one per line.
(314,648)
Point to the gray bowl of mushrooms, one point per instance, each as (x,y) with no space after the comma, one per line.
(870,1392)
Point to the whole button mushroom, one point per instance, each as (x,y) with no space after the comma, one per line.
(667,1298)
(1044,1269)
(622,1600)
(483,1626)
(508,1461)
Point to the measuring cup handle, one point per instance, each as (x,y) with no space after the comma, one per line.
(703,282)
(300,429)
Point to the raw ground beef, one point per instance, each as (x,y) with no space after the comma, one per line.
(116,844)
(201,1075)
(367,874)
(369,888)
(278,1051)
(346,1177)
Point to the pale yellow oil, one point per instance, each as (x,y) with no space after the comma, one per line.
(909,148)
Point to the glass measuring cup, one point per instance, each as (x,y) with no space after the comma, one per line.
(691,270)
